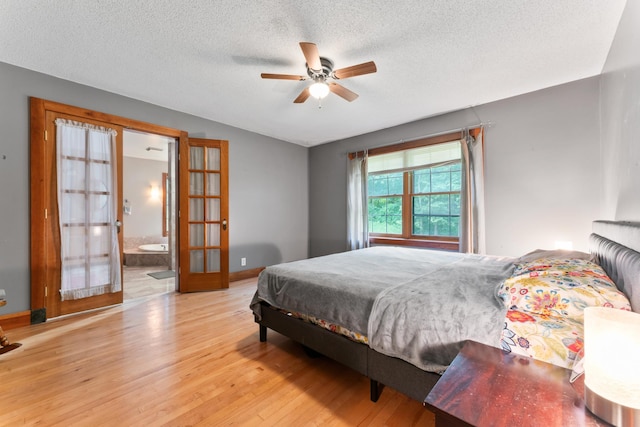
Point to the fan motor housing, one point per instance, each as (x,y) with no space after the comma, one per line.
(327,69)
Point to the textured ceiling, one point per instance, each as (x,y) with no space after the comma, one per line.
(204,57)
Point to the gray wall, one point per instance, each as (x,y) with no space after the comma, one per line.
(620,115)
(265,175)
(542,167)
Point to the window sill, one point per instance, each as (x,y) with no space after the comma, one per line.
(446,245)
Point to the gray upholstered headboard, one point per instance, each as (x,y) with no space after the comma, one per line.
(617,246)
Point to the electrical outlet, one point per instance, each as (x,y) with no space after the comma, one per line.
(243,262)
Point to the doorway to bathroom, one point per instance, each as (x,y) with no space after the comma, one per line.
(149,241)
(201,196)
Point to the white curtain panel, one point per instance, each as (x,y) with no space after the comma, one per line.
(477,148)
(357,216)
(87,207)
(472,219)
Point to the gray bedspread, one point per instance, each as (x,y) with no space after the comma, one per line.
(398,297)
(427,320)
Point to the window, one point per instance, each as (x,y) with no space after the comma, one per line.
(384,196)
(436,201)
(413,194)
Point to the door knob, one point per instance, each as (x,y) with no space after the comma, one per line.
(224,224)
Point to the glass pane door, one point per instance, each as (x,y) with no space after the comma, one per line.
(204,238)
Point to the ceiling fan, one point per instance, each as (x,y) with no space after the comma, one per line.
(320,70)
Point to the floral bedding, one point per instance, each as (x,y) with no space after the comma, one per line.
(353,336)
(545,299)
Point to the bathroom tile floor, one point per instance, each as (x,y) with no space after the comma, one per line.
(138,284)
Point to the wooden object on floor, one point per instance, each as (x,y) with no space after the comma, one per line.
(8,347)
(485,386)
(183,359)
(5,345)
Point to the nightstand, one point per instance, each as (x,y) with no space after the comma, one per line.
(484,386)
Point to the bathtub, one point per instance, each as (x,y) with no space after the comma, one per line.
(156,247)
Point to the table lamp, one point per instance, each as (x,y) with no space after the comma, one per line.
(612,364)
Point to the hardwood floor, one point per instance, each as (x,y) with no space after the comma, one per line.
(182,359)
(138,283)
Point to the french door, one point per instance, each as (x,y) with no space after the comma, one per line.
(204,237)
(201,217)
(83,196)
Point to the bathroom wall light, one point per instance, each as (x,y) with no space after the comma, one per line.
(155,192)
(611,355)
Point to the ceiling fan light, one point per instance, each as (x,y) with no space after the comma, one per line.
(319,90)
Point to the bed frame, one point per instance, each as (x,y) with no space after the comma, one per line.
(379,368)
(617,245)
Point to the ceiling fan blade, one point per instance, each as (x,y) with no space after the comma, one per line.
(342,92)
(356,70)
(302,97)
(310,51)
(282,76)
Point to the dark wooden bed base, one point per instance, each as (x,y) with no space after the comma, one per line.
(623,266)
(379,368)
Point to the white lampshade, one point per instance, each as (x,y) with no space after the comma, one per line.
(611,364)
(319,90)
(564,245)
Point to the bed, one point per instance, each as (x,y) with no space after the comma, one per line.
(361,308)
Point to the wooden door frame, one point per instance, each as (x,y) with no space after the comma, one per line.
(39,205)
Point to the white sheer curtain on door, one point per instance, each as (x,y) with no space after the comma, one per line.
(472,229)
(357,219)
(87,209)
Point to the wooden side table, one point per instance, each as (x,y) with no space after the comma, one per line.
(484,386)
(4,341)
